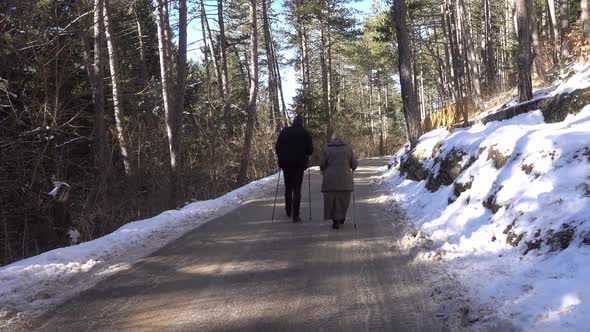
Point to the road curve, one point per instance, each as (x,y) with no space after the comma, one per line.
(242,272)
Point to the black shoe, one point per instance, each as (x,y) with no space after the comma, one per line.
(288,213)
(296,219)
(342,221)
(335,224)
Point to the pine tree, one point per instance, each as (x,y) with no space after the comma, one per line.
(399,11)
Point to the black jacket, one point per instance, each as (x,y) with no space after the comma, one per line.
(294,146)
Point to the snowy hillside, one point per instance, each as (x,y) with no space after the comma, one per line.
(40,282)
(507,207)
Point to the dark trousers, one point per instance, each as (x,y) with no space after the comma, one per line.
(293,181)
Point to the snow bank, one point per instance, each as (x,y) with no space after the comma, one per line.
(38,282)
(514,226)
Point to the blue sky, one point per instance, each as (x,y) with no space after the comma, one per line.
(288,74)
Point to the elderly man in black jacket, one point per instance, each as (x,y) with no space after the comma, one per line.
(294,146)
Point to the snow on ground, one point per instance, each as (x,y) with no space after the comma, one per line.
(40,282)
(575,76)
(517,237)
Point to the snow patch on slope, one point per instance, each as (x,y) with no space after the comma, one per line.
(518,234)
(573,77)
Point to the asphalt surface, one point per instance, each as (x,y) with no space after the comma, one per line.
(243,272)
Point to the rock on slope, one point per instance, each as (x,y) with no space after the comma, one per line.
(507,207)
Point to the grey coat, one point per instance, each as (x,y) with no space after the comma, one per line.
(337,162)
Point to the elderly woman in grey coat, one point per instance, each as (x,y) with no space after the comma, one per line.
(337,162)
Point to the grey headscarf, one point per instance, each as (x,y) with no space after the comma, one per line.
(298,121)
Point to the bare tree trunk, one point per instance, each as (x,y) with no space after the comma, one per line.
(115,79)
(455,52)
(422,93)
(205,50)
(245,74)
(181,63)
(142,66)
(505,52)
(306,60)
(415,81)
(303,64)
(86,54)
(177,113)
(214,56)
(329,70)
(386,93)
(537,47)
(164,58)
(224,75)
(525,56)
(325,84)
(445,27)
(168,49)
(461,57)
(381,123)
(564,12)
(302,55)
(248,73)
(272,80)
(167,95)
(405,58)
(361,100)
(442,83)
(553,30)
(370,113)
(472,61)
(244,162)
(98,86)
(490,60)
(280,86)
(585,19)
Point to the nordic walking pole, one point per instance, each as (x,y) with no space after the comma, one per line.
(276,194)
(309,186)
(353,203)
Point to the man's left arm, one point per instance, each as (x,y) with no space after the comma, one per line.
(278,148)
(308,144)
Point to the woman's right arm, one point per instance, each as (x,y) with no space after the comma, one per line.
(323,159)
(353,162)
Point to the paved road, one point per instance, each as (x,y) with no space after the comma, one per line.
(243,272)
